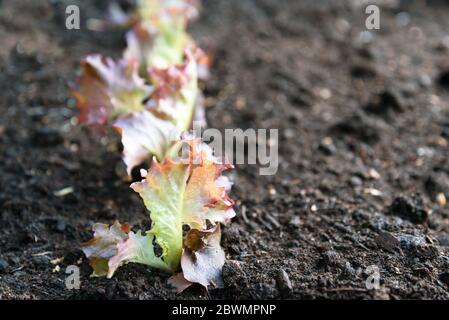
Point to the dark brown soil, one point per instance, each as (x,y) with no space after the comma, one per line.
(364,129)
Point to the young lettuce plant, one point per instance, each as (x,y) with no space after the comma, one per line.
(108,89)
(158,35)
(188,191)
(150,95)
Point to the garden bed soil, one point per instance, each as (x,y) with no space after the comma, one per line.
(363,121)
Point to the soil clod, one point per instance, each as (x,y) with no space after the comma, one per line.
(410,208)
(387,241)
(233,274)
(359,126)
(385,103)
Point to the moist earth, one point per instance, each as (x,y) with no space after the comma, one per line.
(363,119)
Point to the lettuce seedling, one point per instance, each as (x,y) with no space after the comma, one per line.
(169,111)
(158,37)
(108,89)
(190,191)
(159,42)
(151,94)
(149,117)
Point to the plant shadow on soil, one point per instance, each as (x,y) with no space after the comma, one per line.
(364,129)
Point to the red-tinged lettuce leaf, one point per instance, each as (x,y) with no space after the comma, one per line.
(176,91)
(143,136)
(202,260)
(171,108)
(103,245)
(116,245)
(203,257)
(178,282)
(184,192)
(108,89)
(190,187)
(140,42)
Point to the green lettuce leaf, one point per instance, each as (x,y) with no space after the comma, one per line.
(116,245)
(160,37)
(177,192)
(184,193)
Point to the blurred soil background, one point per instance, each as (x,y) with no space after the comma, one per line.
(363,119)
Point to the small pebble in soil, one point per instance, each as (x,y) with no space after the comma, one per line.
(295,222)
(284,284)
(425,81)
(3,266)
(402,19)
(441,199)
(373,174)
(327,146)
(289,133)
(348,269)
(410,208)
(356,181)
